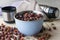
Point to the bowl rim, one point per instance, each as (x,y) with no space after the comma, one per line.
(32,11)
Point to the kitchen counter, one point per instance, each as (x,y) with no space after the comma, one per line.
(55,33)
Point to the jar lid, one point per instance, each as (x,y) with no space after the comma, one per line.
(9,9)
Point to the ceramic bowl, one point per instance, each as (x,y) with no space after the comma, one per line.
(29,27)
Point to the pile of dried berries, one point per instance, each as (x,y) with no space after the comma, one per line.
(9,33)
(43,35)
(28,16)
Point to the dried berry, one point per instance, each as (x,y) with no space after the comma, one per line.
(17,17)
(15,38)
(43,39)
(8,38)
(20,16)
(31,18)
(32,14)
(54,28)
(29,15)
(22,38)
(49,29)
(38,15)
(52,24)
(26,15)
(2,38)
(39,38)
(25,19)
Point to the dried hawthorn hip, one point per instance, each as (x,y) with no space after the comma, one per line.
(29,16)
(54,28)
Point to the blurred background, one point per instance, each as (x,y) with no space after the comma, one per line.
(55,3)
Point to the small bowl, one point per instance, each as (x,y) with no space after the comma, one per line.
(29,27)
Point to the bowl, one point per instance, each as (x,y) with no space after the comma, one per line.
(29,27)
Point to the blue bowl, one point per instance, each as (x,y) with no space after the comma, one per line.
(29,27)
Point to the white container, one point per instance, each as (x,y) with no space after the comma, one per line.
(29,27)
